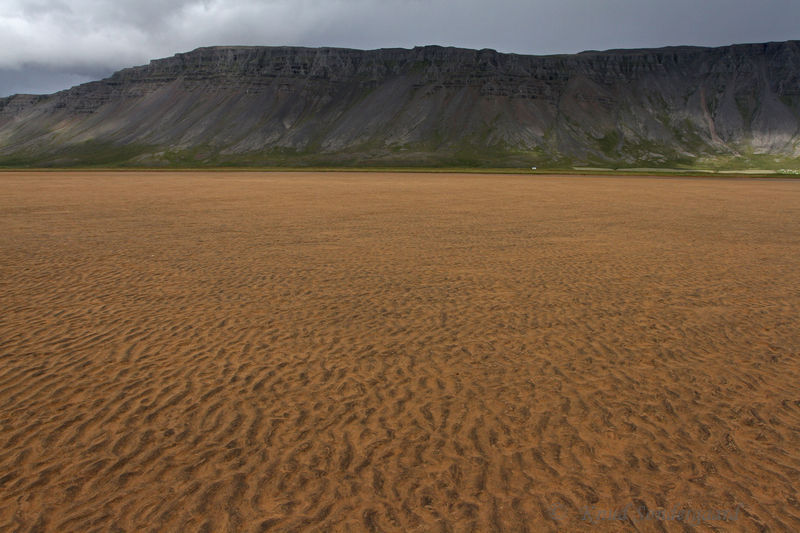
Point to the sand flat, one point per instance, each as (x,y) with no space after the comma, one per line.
(231,351)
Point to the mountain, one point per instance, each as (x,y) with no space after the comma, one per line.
(232,105)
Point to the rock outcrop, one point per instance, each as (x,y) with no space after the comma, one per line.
(427,105)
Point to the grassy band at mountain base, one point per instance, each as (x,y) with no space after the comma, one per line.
(247,351)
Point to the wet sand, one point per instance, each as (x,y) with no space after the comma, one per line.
(398,352)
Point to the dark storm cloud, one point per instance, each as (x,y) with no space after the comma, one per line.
(74,40)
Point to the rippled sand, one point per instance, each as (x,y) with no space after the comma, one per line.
(397,352)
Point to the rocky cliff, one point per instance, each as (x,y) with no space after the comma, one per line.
(428,105)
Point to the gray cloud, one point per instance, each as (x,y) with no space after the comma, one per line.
(45,43)
(38,79)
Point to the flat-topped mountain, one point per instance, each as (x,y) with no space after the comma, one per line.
(428,105)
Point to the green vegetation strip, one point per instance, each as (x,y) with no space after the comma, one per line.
(582,171)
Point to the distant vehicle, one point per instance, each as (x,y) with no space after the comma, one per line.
(533,168)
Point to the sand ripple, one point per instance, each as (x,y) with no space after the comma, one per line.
(345,352)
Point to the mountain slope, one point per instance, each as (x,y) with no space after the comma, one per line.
(427,105)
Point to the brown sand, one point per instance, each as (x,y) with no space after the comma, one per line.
(397,352)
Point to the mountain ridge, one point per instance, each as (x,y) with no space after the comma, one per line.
(429,105)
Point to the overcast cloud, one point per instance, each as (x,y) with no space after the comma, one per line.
(47,45)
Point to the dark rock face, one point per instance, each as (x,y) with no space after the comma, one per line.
(430,105)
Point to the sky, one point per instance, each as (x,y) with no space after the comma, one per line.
(49,45)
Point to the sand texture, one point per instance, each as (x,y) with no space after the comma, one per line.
(397,352)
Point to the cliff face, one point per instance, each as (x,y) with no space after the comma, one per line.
(429,105)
